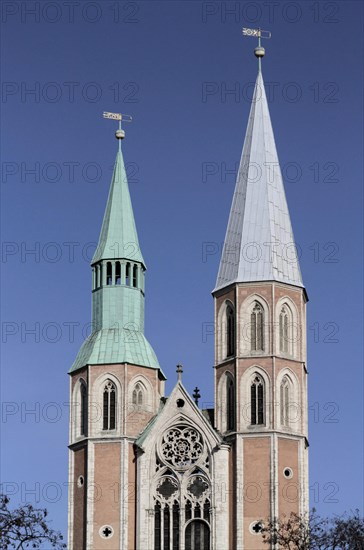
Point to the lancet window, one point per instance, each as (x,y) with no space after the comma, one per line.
(127,274)
(230,331)
(138,394)
(135,276)
(284,401)
(230,403)
(257,400)
(83,409)
(108,273)
(109,406)
(257,328)
(117,273)
(285,330)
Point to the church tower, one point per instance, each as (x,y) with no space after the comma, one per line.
(260,335)
(116,384)
(147,472)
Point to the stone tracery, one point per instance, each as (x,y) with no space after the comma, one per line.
(181,447)
(182,495)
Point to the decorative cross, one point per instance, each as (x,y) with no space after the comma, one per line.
(196,395)
(107,532)
(257,527)
(179,371)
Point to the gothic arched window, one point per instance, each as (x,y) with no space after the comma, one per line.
(99,276)
(169,517)
(230,404)
(127,274)
(284,330)
(284,401)
(108,273)
(138,394)
(257,400)
(117,273)
(135,275)
(257,328)
(109,406)
(157,526)
(197,535)
(83,409)
(230,331)
(182,501)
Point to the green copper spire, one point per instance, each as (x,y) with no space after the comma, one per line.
(118,237)
(117,285)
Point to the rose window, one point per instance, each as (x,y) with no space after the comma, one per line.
(181,447)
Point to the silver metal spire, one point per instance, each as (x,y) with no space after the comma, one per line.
(259,243)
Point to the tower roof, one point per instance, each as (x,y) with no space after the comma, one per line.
(259,243)
(116,345)
(118,291)
(118,237)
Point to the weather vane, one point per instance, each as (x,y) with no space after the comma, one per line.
(120,133)
(259,33)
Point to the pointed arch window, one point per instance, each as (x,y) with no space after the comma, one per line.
(257,328)
(157,526)
(193,518)
(83,409)
(175,525)
(230,331)
(197,535)
(98,276)
(108,273)
(117,273)
(284,401)
(127,274)
(284,330)
(109,406)
(182,503)
(257,400)
(135,275)
(230,404)
(138,394)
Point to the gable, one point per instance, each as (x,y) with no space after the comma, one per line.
(179,409)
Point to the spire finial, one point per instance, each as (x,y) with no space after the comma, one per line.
(259,51)
(120,133)
(179,371)
(196,395)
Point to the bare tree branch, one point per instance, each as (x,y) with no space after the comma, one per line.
(26,527)
(312,532)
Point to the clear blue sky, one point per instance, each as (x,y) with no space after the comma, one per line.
(170,65)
